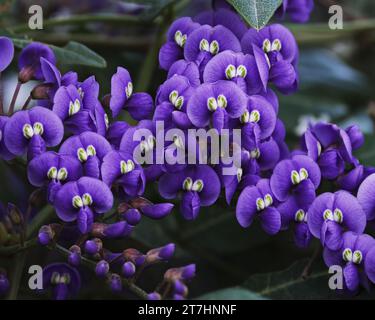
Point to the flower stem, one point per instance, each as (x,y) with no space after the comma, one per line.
(14,98)
(26,104)
(19,264)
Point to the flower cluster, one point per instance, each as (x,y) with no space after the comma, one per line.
(221,75)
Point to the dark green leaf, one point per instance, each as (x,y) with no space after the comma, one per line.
(235,293)
(73,53)
(256,12)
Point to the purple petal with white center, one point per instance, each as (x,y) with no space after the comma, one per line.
(211,184)
(267,120)
(169,53)
(63,99)
(119,83)
(311,167)
(170,184)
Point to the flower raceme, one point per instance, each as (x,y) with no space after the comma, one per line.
(219,76)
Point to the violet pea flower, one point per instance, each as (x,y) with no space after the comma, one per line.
(33,131)
(352,256)
(298,10)
(259,202)
(331,214)
(63,279)
(53,170)
(89,148)
(216,103)
(177,36)
(6,53)
(82,200)
(199,186)
(139,105)
(4,152)
(187,69)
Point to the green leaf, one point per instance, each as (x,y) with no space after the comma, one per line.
(256,12)
(235,293)
(73,53)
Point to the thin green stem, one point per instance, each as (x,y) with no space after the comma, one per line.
(19,264)
(92,265)
(14,249)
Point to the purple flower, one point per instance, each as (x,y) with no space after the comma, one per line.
(206,42)
(352,256)
(115,132)
(6,53)
(177,36)
(330,147)
(279,46)
(299,176)
(82,200)
(243,69)
(172,99)
(33,130)
(351,179)
(216,102)
(139,105)
(366,198)
(224,17)
(89,148)
(331,214)
(298,10)
(79,107)
(120,168)
(199,185)
(246,175)
(4,152)
(53,77)
(294,211)
(53,169)
(259,202)
(29,60)
(145,148)
(187,69)
(63,279)
(257,123)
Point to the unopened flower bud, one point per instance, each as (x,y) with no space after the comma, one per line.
(134,256)
(15,214)
(140,202)
(36,198)
(45,235)
(102,268)
(132,216)
(161,254)
(115,283)
(180,288)
(74,257)
(40,92)
(128,269)
(123,207)
(93,246)
(4,283)
(153,296)
(26,74)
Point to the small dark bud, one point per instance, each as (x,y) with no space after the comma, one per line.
(115,283)
(140,202)
(26,74)
(123,207)
(36,198)
(134,256)
(74,257)
(105,101)
(45,235)
(15,214)
(40,92)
